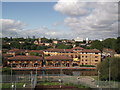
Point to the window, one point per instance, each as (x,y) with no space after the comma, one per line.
(96,56)
(96,60)
(86,56)
(86,60)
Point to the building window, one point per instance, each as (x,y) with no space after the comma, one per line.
(96,56)
(96,60)
(82,56)
(86,56)
(86,60)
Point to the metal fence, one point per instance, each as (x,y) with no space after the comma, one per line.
(31,80)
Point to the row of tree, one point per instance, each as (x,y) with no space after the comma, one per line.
(110,43)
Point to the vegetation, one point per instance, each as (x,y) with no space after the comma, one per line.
(66,84)
(7,71)
(34,54)
(76,85)
(97,45)
(63,46)
(9,85)
(28,43)
(112,64)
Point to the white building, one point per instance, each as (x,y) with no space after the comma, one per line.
(78,39)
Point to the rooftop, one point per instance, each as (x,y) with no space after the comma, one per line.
(25,58)
(58,58)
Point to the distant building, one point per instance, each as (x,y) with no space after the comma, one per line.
(15,51)
(108,52)
(116,55)
(55,41)
(87,40)
(78,39)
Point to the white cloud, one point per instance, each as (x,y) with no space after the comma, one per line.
(11,27)
(72,8)
(99,21)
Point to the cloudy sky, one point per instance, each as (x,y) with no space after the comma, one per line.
(94,20)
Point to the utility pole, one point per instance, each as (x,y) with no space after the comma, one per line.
(109,73)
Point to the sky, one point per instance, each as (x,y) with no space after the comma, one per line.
(68,20)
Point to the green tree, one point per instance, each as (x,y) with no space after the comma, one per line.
(97,45)
(117,46)
(109,43)
(7,71)
(63,46)
(34,54)
(114,64)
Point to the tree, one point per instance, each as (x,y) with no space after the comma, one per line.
(109,43)
(34,54)
(63,46)
(117,46)
(97,45)
(114,64)
(7,71)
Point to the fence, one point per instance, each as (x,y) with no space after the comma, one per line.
(31,80)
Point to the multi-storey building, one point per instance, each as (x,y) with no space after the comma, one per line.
(56,57)
(25,61)
(80,56)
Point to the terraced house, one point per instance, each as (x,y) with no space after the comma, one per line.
(79,55)
(55,58)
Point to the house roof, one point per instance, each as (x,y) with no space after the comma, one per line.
(25,58)
(91,50)
(7,55)
(59,50)
(16,50)
(58,58)
(78,48)
(36,51)
(108,50)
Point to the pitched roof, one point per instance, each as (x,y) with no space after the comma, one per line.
(25,58)
(91,50)
(78,48)
(37,51)
(7,55)
(58,58)
(108,50)
(59,50)
(16,50)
